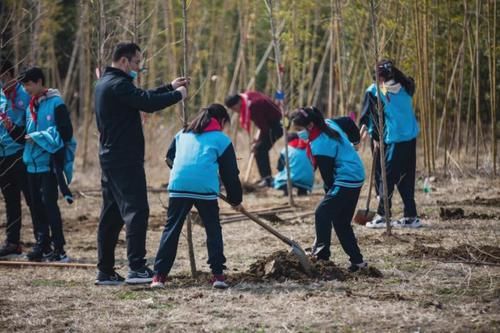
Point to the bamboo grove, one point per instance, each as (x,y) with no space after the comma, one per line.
(450,47)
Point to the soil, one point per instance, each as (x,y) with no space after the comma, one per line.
(458,213)
(468,253)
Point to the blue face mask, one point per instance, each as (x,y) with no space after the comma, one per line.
(304,135)
(133,74)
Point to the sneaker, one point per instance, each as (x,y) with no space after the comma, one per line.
(407,222)
(218,281)
(10,250)
(104,279)
(59,256)
(357,267)
(140,276)
(159,281)
(378,222)
(39,253)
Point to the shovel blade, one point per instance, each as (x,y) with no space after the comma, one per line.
(363,216)
(303,258)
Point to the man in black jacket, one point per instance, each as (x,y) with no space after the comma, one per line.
(118,103)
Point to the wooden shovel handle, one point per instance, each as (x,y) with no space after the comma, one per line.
(254,218)
(372,176)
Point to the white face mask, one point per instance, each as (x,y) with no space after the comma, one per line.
(304,135)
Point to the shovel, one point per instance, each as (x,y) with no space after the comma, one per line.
(296,249)
(364,215)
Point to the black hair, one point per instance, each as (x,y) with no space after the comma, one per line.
(7,67)
(202,119)
(32,74)
(232,100)
(387,71)
(125,49)
(304,116)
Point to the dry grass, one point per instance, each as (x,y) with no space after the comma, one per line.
(418,292)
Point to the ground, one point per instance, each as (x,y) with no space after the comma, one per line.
(431,282)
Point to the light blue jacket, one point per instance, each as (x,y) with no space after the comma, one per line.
(16,113)
(195,171)
(348,167)
(46,139)
(301,170)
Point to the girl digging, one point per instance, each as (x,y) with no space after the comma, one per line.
(343,175)
(198,155)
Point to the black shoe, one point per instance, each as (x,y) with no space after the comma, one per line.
(265,182)
(104,279)
(40,253)
(357,267)
(59,256)
(140,276)
(301,192)
(10,250)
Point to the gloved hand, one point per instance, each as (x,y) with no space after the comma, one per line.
(183,91)
(180,82)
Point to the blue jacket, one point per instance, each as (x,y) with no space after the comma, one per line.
(197,161)
(51,132)
(399,118)
(11,141)
(369,113)
(301,169)
(337,159)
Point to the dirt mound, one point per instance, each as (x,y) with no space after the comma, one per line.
(464,252)
(493,202)
(283,265)
(458,214)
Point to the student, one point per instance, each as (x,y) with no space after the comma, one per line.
(118,106)
(48,130)
(13,103)
(400,132)
(266,115)
(301,166)
(198,155)
(343,175)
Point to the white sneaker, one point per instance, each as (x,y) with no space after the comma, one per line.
(407,222)
(378,222)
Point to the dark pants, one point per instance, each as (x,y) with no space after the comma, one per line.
(13,181)
(47,222)
(378,168)
(124,201)
(178,208)
(263,147)
(337,209)
(400,159)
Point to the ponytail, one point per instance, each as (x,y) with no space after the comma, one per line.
(306,115)
(203,118)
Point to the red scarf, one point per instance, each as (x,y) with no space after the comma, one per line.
(245,113)
(213,125)
(34,104)
(313,134)
(11,94)
(301,144)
